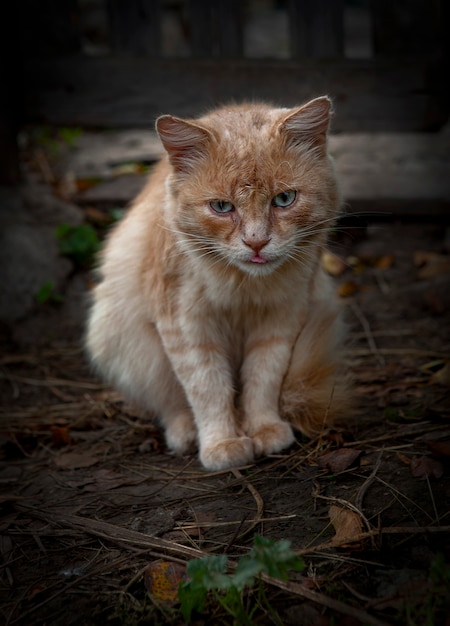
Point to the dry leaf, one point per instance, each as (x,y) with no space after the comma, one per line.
(403,458)
(60,435)
(339,460)
(357,265)
(425,466)
(75,460)
(82,184)
(347,289)
(431,263)
(161,579)
(331,263)
(384,262)
(346,523)
(442,376)
(439,448)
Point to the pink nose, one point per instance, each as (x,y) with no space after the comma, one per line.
(256,243)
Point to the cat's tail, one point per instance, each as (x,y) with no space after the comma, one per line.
(316,389)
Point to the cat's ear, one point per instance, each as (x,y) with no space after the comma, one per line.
(185,142)
(308,123)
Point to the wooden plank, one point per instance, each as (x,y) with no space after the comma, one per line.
(408,27)
(230,20)
(316,28)
(135,26)
(122,92)
(201,29)
(215,28)
(47,28)
(386,174)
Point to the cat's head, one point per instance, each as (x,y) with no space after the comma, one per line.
(253,185)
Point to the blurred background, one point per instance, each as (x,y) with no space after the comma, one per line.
(121,62)
(84,80)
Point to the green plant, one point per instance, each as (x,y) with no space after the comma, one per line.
(54,139)
(47,294)
(209,577)
(430,604)
(79,243)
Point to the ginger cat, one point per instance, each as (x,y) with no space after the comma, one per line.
(213,311)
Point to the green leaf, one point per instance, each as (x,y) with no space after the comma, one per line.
(116,214)
(47,293)
(276,559)
(210,572)
(69,135)
(79,243)
(245,572)
(192,598)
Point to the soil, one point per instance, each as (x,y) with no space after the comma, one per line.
(92,502)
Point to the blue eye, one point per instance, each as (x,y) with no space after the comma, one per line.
(221,206)
(284,199)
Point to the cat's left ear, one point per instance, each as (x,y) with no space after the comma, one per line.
(308,123)
(185,142)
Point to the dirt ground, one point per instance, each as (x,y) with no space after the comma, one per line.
(92,503)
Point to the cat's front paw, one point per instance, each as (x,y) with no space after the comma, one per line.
(273,438)
(227,453)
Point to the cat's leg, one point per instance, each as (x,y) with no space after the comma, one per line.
(266,360)
(316,387)
(202,367)
(134,360)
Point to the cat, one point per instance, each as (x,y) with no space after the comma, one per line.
(212,310)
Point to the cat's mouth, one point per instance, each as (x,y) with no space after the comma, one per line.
(258,259)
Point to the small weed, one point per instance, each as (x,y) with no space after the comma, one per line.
(69,135)
(393,414)
(209,578)
(79,243)
(53,140)
(116,214)
(432,605)
(47,294)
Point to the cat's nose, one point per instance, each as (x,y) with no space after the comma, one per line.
(256,243)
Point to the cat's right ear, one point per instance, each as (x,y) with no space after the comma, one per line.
(185,142)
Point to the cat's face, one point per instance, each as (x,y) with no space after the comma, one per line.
(253,185)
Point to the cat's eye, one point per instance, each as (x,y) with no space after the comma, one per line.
(284,199)
(221,206)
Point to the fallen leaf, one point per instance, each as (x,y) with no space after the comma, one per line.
(331,263)
(357,265)
(60,436)
(384,262)
(75,460)
(161,579)
(431,263)
(403,458)
(442,376)
(36,590)
(82,184)
(439,448)
(339,460)
(346,523)
(347,289)
(426,467)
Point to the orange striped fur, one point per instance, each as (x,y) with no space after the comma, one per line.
(212,310)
